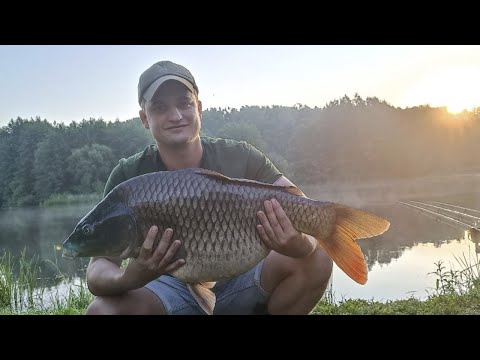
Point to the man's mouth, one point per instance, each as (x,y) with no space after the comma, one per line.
(177,127)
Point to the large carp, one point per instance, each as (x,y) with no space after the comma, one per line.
(215,217)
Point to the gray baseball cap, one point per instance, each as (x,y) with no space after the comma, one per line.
(158,73)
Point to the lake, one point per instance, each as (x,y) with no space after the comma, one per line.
(400,261)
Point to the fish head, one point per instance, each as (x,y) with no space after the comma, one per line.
(109,229)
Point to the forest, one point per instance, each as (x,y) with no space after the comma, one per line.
(347,140)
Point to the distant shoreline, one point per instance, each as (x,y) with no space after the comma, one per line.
(389,191)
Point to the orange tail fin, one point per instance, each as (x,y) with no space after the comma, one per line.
(352,224)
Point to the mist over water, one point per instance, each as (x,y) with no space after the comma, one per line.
(399,260)
(37,232)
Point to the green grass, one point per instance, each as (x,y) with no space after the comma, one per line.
(68,199)
(22,292)
(18,282)
(448,304)
(457,293)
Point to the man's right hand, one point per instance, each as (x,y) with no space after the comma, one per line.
(152,263)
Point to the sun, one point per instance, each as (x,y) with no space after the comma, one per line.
(455,88)
(457,109)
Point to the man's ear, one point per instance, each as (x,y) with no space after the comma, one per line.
(143,119)
(199,107)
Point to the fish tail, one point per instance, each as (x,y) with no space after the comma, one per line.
(352,224)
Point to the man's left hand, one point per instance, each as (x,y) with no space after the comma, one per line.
(277,232)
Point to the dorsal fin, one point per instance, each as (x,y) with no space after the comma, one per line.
(216,175)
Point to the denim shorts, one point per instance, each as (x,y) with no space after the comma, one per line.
(241,295)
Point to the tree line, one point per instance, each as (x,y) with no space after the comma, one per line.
(349,139)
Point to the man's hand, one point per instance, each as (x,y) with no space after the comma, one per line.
(278,233)
(152,263)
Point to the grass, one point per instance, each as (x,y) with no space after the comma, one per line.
(18,291)
(457,293)
(68,199)
(22,292)
(447,304)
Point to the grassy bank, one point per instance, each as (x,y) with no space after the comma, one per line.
(22,292)
(69,199)
(440,304)
(457,293)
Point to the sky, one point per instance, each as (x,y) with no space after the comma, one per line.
(65,83)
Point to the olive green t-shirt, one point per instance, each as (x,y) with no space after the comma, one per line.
(231,158)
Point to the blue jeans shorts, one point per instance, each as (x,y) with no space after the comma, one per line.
(241,295)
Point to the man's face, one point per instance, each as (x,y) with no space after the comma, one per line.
(173,114)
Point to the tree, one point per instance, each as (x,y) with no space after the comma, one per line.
(88,168)
(22,139)
(126,138)
(50,163)
(243,131)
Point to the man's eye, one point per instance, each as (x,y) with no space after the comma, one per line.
(185,104)
(160,108)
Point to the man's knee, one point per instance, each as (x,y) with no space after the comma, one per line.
(102,306)
(312,272)
(135,302)
(108,305)
(317,268)
(95,307)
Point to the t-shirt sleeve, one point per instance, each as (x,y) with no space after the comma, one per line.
(116,177)
(260,168)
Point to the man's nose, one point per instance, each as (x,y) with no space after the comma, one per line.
(174,113)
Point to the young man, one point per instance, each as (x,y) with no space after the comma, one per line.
(290,280)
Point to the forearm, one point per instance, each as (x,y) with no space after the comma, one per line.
(104,278)
(307,244)
(305,247)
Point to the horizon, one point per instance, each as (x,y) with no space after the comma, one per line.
(228,109)
(65,83)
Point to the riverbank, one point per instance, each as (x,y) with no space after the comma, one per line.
(71,199)
(451,304)
(457,293)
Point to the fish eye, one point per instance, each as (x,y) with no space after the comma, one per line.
(87,229)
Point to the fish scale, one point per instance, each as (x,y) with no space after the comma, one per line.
(215,218)
(209,253)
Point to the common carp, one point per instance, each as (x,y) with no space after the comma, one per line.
(215,217)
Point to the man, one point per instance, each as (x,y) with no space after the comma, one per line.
(290,280)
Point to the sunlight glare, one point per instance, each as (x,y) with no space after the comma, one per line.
(454,88)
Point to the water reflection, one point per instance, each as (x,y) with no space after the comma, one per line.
(36,232)
(411,274)
(399,261)
(473,235)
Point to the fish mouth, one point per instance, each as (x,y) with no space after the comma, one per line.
(69,254)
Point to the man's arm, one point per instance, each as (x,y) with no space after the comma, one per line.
(278,233)
(103,274)
(105,277)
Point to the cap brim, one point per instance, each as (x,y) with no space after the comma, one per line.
(152,89)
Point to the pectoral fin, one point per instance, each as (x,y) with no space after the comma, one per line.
(203,295)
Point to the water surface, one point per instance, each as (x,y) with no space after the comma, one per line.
(400,261)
